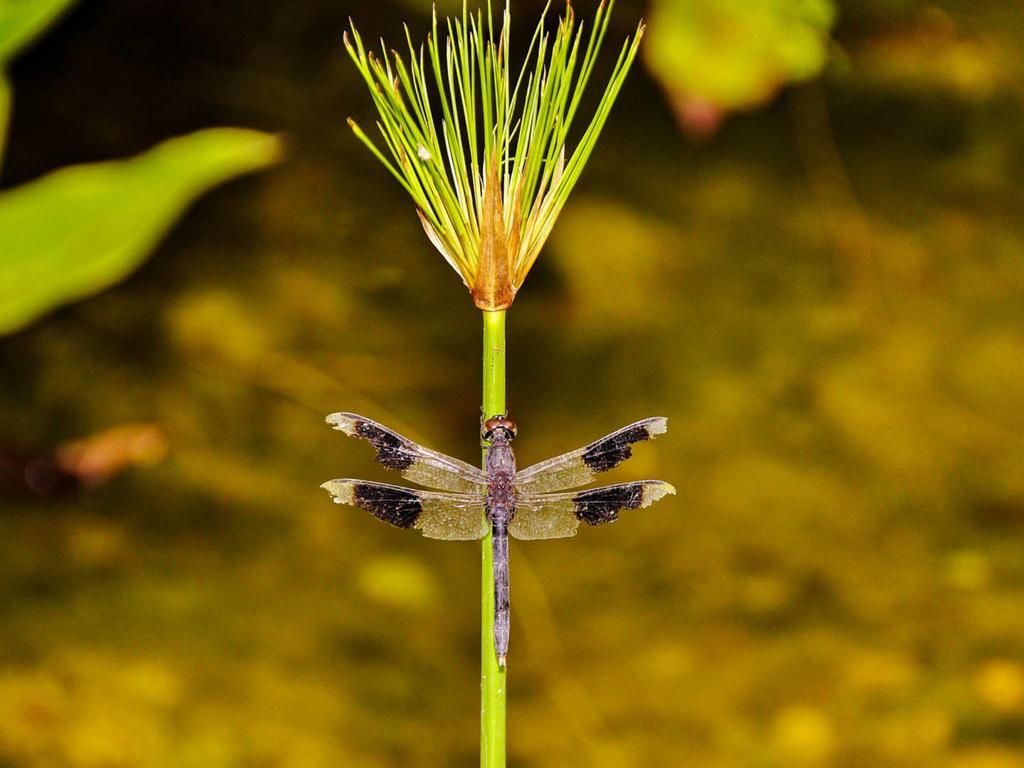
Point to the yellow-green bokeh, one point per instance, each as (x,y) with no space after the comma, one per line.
(823,295)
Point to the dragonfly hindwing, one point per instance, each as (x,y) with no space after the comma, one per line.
(450,516)
(558,515)
(598,506)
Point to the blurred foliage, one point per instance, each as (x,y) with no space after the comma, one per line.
(933,52)
(5,109)
(20,22)
(824,297)
(716,56)
(77,231)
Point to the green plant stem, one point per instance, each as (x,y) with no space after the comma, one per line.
(492,675)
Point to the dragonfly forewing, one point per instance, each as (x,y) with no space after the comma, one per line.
(415,462)
(581,466)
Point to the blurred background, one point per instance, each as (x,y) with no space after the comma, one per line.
(800,238)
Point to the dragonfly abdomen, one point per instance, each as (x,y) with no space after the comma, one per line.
(501,591)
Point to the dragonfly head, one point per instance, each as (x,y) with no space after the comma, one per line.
(503,423)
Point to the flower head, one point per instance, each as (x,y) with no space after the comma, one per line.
(485,155)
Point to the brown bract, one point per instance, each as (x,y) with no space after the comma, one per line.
(494,287)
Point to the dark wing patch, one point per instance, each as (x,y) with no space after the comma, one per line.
(415,462)
(609,452)
(449,516)
(601,505)
(579,467)
(398,506)
(558,515)
(393,451)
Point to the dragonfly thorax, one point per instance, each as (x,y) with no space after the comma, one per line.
(500,464)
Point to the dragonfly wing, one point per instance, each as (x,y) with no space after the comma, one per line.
(416,463)
(558,515)
(448,516)
(579,467)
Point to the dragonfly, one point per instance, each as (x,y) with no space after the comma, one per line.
(467,503)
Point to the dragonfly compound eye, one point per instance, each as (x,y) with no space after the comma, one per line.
(499,422)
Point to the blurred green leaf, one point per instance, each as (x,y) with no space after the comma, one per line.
(81,229)
(715,56)
(21,21)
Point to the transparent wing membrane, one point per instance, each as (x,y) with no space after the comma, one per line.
(416,463)
(558,515)
(447,516)
(580,467)
(458,513)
